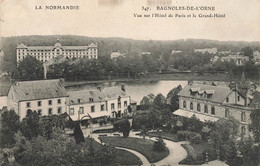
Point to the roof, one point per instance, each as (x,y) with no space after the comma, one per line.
(56,45)
(201,117)
(211,93)
(40,89)
(4,88)
(85,96)
(114,92)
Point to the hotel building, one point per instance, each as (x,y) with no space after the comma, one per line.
(209,103)
(45,53)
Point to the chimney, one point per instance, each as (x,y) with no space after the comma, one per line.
(123,88)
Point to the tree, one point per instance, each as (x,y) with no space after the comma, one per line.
(29,69)
(250,152)
(78,135)
(10,124)
(30,125)
(159,100)
(247,51)
(123,126)
(255,124)
(173,99)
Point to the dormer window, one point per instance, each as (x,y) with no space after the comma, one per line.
(91,99)
(227,99)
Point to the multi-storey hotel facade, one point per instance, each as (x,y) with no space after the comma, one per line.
(45,53)
(49,97)
(109,102)
(209,103)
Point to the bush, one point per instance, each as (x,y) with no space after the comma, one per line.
(193,137)
(122,126)
(159,145)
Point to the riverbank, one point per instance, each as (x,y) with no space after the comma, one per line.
(158,77)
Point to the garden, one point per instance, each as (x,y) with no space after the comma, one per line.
(143,146)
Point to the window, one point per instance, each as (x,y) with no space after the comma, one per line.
(102,107)
(125,103)
(39,112)
(243,130)
(198,107)
(59,110)
(93,108)
(71,111)
(112,106)
(227,99)
(184,104)
(243,116)
(226,113)
(119,105)
(50,111)
(206,109)
(238,98)
(39,103)
(28,105)
(50,102)
(81,110)
(191,105)
(213,110)
(59,101)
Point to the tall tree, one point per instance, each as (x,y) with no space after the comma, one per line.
(29,69)
(255,124)
(30,125)
(78,134)
(9,126)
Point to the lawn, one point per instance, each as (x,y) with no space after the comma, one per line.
(142,146)
(123,157)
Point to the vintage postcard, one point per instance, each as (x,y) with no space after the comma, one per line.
(129,82)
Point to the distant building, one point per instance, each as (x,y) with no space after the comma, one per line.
(116,55)
(146,53)
(45,53)
(214,59)
(209,103)
(237,58)
(176,51)
(224,52)
(256,57)
(207,50)
(47,97)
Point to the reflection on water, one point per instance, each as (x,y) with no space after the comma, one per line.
(137,90)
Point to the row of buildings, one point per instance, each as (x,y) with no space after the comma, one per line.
(238,58)
(45,53)
(210,102)
(49,97)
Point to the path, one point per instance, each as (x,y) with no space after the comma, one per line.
(177,152)
(139,155)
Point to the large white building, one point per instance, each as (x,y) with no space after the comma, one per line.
(209,103)
(45,53)
(47,97)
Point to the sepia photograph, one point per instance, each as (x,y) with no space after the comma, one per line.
(129,83)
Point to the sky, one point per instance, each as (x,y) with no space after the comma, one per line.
(115,18)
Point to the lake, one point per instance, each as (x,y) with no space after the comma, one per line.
(136,89)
